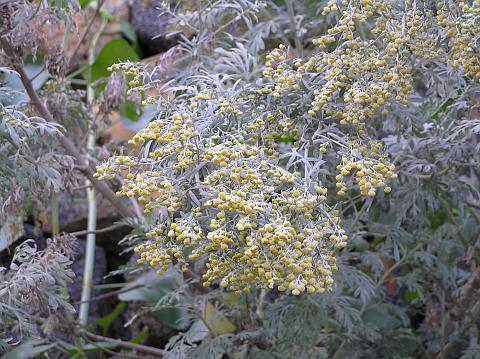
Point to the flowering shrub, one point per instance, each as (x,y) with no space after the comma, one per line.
(259,224)
(219,173)
(345,167)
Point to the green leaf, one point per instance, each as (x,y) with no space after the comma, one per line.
(288,138)
(156,287)
(437,218)
(232,299)
(129,111)
(117,50)
(84,3)
(140,337)
(359,244)
(173,317)
(471,353)
(220,323)
(410,296)
(107,320)
(127,30)
(379,317)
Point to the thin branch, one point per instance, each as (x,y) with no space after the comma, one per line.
(66,143)
(112,293)
(91,197)
(102,230)
(395,266)
(36,10)
(82,187)
(111,352)
(85,33)
(137,209)
(38,73)
(141,348)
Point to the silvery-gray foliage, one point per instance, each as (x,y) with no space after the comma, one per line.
(33,288)
(32,164)
(408,280)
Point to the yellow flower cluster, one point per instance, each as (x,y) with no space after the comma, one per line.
(280,72)
(136,75)
(369,170)
(176,137)
(361,78)
(256,224)
(226,107)
(222,155)
(287,242)
(272,129)
(150,187)
(202,96)
(133,72)
(218,175)
(356,79)
(168,244)
(461,23)
(153,189)
(114,166)
(214,174)
(14,122)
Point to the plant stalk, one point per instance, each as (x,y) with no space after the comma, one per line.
(293,25)
(55,214)
(91,199)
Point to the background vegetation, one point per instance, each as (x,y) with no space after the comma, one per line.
(239,179)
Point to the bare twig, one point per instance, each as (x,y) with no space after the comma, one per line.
(112,293)
(82,187)
(102,230)
(111,352)
(136,208)
(91,193)
(38,73)
(141,348)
